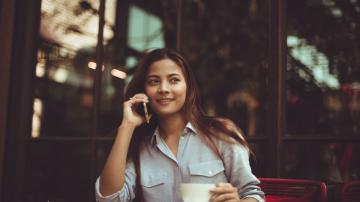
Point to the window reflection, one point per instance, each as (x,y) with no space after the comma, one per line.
(65,66)
(74,24)
(323,74)
(147,27)
(258,160)
(333,163)
(36,119)
(226,43)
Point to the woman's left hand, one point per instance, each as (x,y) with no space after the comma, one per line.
(224,192)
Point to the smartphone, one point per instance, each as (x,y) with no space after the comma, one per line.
(144,110)
(147,117)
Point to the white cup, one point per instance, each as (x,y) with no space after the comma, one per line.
(192,192)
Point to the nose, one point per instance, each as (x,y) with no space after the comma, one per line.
(164,87)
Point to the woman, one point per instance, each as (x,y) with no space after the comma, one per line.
(180,144)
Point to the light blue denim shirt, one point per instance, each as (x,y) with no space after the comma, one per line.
(162,172)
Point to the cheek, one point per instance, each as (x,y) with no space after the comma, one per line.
(150,91)
(180,91)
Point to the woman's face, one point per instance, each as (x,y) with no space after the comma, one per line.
(165,86)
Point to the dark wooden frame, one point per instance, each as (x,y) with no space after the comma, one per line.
(7,18)
(20,98)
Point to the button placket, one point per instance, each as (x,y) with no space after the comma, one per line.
(181,146)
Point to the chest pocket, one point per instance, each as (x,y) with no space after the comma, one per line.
(207,172)
(153,185)
(152,180)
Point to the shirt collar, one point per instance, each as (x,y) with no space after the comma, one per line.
(189,128)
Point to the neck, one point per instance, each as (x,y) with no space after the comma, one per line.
(172,126)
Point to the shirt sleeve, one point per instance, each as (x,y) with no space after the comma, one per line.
(238,171)
(126,194)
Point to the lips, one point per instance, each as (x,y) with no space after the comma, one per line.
(165,100)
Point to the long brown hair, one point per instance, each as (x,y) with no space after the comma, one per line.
(207,126)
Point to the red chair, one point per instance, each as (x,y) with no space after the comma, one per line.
(350,192)
(293,190)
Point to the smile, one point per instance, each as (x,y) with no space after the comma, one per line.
(165,100)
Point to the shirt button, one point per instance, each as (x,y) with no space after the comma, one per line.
(210,172)
(182,137)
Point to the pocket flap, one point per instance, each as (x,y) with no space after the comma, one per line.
(152,180)
(208,169)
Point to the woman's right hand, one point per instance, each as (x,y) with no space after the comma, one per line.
(130,116)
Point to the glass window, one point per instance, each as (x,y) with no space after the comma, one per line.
(146,27)
(60,159)
(63,100)
(333,163)
(258,159)
(226,43)
(323,74)
(102,152)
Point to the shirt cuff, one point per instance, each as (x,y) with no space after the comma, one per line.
(257,197)
(111,198)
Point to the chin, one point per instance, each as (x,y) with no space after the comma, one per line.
(162,113)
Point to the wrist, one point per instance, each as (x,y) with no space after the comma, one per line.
(127,124)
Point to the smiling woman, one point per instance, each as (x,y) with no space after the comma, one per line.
(188,145)
(166,87)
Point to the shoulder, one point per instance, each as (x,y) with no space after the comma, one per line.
(228,124)
(229,136)
(228,130)
(229,145)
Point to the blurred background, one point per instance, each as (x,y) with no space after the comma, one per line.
(286,72)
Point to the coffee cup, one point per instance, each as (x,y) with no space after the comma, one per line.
(195,192)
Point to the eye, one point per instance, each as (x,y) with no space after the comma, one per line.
(174,80)
(152,82)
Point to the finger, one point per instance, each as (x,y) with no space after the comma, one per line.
(225,197)
(139,99)
(224,184)
(131,105)
(213,197)
(140,95)
(134,102)
(223,189)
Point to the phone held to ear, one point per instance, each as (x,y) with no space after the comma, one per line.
(142,109)
(147,118)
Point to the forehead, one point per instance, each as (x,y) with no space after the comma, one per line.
(164,67)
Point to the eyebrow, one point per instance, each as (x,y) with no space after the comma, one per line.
(170,75)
